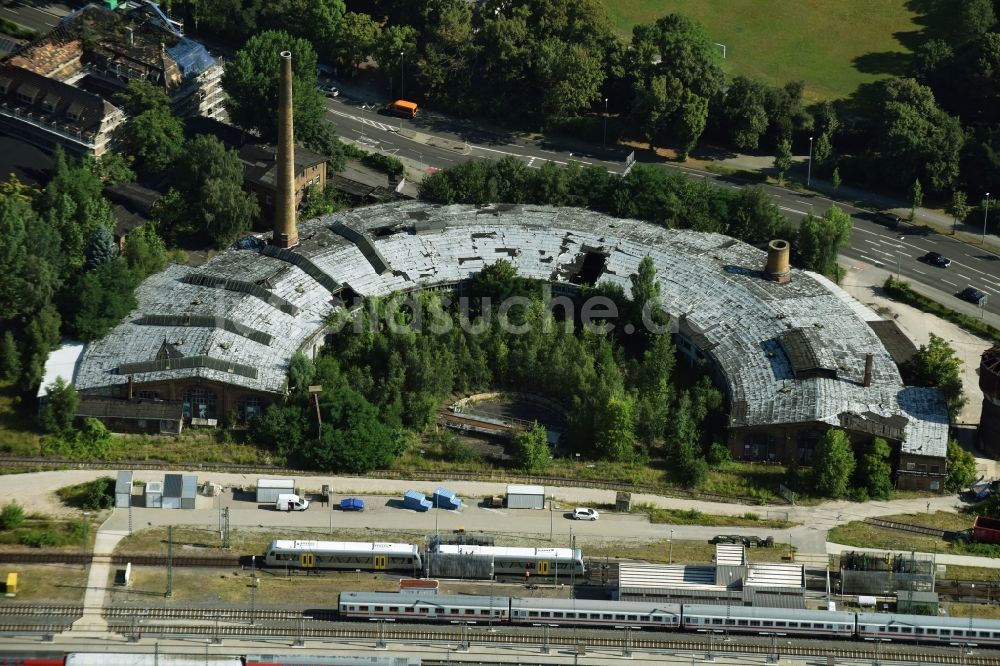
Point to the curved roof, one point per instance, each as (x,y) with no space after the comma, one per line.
(759,333)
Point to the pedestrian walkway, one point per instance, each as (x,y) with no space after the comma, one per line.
(92,622)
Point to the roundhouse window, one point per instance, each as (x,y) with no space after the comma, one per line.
(199,403)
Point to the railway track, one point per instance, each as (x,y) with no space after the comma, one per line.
(555,640)
(26,610)
(211,614)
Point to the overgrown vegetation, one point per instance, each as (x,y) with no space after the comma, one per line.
(91,495)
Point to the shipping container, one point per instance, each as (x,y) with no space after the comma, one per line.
(986,530)
(123,490)
(525,497)
(154,494)
(269,489)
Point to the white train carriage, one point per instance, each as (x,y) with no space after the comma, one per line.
(928,629)
(344,555)
(546,562)
(595,613)
(758,619)
(423,607)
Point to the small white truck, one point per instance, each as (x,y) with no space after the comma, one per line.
(289,502)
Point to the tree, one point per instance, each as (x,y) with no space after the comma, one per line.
(12,516)
(835,177)
(823,150)
(72,205)
(683,445)
(281,428)
(251,82)
(912,137)
(975,18)
(614,438)
(100,249)
(833,464)
(875,470)
(961,468)
(152,133)
(300,373)
(783,158)
(531,449)
(916,197)
(959,208)
(59,407)
(207,197)
(101,300)
(10,357)
(112,169)
(820,239)
(743,115)
(935,364)
(675,71)
(145,251)
(353,439)
(355,41)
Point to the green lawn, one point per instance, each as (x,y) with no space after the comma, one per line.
(832,46)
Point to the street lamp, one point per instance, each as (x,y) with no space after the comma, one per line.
(670,556)
(986,215)
(604,141)
(809,168)
(401,75)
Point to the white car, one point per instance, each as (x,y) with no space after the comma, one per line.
(582,513)
(329,90)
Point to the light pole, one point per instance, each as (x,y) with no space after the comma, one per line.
(898,251)
(86,537)
(809,168)
(604,141)
(670,555)
(401,75)
(986,215)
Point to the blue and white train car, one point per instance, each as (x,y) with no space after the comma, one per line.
(758,619)
(577,612)
(928,629)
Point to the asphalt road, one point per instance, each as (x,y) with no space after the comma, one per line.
(40,16)
(871,243)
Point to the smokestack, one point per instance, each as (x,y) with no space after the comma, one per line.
(131,388)
(285,234)
(777,268)
(868,369)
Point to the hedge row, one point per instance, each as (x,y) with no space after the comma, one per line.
(902,291)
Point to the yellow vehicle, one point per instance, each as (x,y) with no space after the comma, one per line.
(402,108)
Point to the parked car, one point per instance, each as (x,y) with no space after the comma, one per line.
(329,90)
(291,502)
(888,219)
(584,513)
(352,504)
(936,259)
(973,295)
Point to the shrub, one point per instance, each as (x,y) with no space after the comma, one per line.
(384,163)
(40,538)
(902,291)
(749,515)
(12,516)
(93,495)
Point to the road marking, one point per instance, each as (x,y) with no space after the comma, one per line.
(804,203)
(874,261)
(951,283)
(915,270)
(790,210)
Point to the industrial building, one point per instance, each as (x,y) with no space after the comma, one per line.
(59,89)
(732,580)
(794,353)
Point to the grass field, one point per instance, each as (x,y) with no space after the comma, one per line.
(863,535)
(832,46)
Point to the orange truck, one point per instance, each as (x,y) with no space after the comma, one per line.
(402,108)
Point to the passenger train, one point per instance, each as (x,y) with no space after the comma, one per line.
(666,616)
(404,557)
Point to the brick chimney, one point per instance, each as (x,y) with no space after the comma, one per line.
(285,234)
(868,369)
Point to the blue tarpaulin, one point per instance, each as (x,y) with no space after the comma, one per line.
(352,504)
(446,499)
(416,501)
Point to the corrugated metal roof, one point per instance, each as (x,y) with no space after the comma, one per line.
(173,485)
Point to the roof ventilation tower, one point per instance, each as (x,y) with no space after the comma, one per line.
(777,268)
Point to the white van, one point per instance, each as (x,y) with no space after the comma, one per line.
(289,502)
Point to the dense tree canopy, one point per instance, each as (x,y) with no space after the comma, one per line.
(251,83)
(936,364)
(821,239)
(961,468)
(833,464)
(152,134)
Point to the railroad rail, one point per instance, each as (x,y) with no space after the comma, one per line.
(135,560)
(907,527)
(25,610)
(416,475)
(555,639)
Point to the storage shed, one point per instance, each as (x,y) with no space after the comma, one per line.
(416,501)
(269,489)
(525,497)
(180,491)
(123,490)
(916,603)
(154,494)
